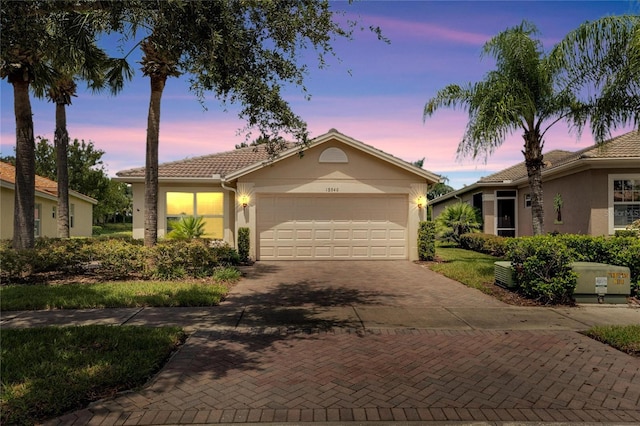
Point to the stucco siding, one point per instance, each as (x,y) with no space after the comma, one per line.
(360,173)
(7,208)
(83,219)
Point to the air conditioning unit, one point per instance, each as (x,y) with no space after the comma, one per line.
(601,283)
(504,274)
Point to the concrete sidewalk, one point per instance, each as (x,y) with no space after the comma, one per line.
(369,342)
(314,318)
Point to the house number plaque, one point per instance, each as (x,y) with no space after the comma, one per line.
(332,189)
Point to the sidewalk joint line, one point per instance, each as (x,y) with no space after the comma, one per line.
(132,316)
(355,311)
(460,318)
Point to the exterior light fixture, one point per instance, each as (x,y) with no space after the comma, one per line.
(421,201)
(244,200)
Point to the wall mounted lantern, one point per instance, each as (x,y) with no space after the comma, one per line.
(244,200)
(421,201)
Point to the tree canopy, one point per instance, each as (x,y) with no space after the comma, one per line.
(87,175)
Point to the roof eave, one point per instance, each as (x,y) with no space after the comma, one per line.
(140,179)
(431,177)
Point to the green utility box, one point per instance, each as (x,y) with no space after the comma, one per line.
(503,273)
(601,283)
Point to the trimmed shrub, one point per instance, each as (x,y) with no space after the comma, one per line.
(15,264)
(119,258)
(542,270)
(243,244)
(427,241)
(485,243)
(225,255)
(180,258)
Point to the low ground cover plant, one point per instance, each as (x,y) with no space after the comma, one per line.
(52,370)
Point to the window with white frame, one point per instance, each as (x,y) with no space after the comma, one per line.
(72,215)
(527,201)
(37,223)
(624,199)
(208,205)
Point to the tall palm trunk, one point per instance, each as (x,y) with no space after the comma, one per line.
(61,142)
(151,165)
(534,162)
(23,218)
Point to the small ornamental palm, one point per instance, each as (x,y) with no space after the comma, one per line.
(188,227)
(455,220)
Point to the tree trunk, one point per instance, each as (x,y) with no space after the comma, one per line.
(151,164)
(534,163)
(61,142)
(23,217)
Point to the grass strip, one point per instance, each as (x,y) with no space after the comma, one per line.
(116,294)
(625,338)
(48,371)
(468,267)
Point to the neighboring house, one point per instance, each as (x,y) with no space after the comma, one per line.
(336,198)
(46,204)
(592,191)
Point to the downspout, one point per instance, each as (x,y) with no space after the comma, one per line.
(235,220)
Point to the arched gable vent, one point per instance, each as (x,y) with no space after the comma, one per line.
(333,155)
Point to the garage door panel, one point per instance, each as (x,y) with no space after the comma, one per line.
(332,227)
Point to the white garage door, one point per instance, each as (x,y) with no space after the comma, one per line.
(332,227)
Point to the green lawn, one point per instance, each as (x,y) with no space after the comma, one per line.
(624,338)
(49,371)
(119,294)
(114,230)
(468,267)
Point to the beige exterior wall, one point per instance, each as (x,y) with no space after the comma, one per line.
(83,219)
(363,174)
(138,207)
(587,207)
(6,211)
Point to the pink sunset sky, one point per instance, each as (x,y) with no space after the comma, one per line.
(375,92)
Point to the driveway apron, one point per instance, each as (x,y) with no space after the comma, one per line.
(378,341)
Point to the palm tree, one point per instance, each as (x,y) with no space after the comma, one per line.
(601,60)
(187,228)
(530,91)
(518,95)
(457,219)
(41,41)
(28,39)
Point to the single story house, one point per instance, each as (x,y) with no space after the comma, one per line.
(46,205)
(593,191)
(336,198)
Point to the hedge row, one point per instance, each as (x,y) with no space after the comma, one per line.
(485,243)
(542,262)
(117,258)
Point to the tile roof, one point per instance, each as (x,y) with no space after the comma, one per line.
(226,163)
(623,146)
(206,166)
(8,174)
(43,185)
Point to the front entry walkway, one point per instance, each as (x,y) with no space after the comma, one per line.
(302,342)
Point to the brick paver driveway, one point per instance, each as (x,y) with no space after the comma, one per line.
(284,365)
